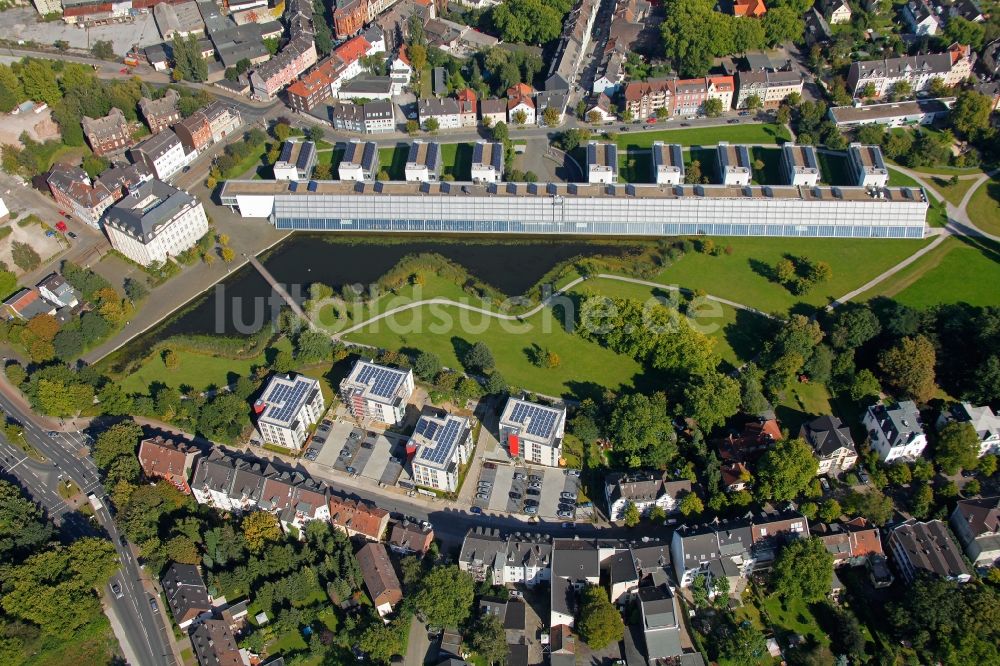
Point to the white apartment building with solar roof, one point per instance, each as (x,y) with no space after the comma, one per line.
(440,445)
(286,409)
(533,432)
(376,392)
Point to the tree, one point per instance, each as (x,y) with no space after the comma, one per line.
(853,325)
(520,116)
(496,384)
(693,33)
(594,117)
(692,175)
(227,254)
(803,571)
(957,447)
(641,431)
(865,386)
(963,31)
(632,515)
(259,529)
(431,125)
(120,440)
(445,596)
(551,116)
(22,526)
(830,511)
(713,107)
(426,366)
(752,400)
(690,505)
(901,90)
(527,21)
(783,24)
(39,82)
(489,639)
(380,642)
(908,367)
(987,464)
(744,646)
(970,116)
(712,398)
(103,49)
(323,171)
(846,635)
(68,344)
(785,470)
(600,623)
(478,358)
(24,256)
(872,505)
(754,103)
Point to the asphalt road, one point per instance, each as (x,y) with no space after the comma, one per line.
(68,458)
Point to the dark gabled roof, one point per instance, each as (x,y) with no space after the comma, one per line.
(982,515)
(575,559)
(185,591)
(827,434)
(515,617)
(214,644)
(929,547)
(148,207)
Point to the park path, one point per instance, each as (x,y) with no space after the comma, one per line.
(538,308)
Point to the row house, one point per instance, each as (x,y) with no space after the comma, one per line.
(161,113)
(679,97)
(163,154)
(488,555)
(209,125)
(166,459)
(194,133)
(358,519)
(578,27)
(555,100)
(108,135)
(733,548)
(612,74)
(121,179)
(330,75)
(467,107)
(295,499)
(493,111)
(298,55)
(72,189)
(983,421)
(646,490)
(408,538)
(851,543)
(400,71)
(380,577)
(520,103)
(977,525)
(952,67)
(771,87)
(443,110)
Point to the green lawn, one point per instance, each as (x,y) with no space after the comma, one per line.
(771,174)
(834,169)
(796,619)
(255,160)
(196,370)
(696,136)
(635,166)
(937,216)
(954,272)
(456,160)
(984,207)
(393,160)
(952,193)
(93,643)
(741,276)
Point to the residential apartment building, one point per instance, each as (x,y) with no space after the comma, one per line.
(578,26)
(645,490)
(444,110)
(836,12)
(371,118)
(602,162)
(518,105)
(120,179)
(298,55)
(376,392)
(532,431)
(72,189)
(644,98)
(163,154)
(667,163)
(920,18)
(927,548)
(896,431)
(108,135)
(977,525)
(487,162)
(493,111)
(215,645)
(380,578)
(892,114)
(660,615)
(287,408)
(576,563)
(554,100)
(186,594)
(735,165)
(770,87)
(54,288)
(360,161)
(366,87)
(358,519)
(952,67)
(800,165)
(327,78)
(831,443)
(161,113)
(223,119)
(349,17)
(296,162)
(483,551)
(166,459)
(689,95)
(400,71)
(423,164)
(612,74)
(155,222)
(867,166)
(295,499)
(851,543)
(983,420)
(440,445)
(194,132)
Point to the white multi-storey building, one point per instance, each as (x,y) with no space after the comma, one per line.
(867,165)
(602,162)
(286,409)
(443,110)
(441,444)
(360,161)
(487,162)
(155,222)
(668,164)
(533,432)
(800,165)
(919,71)
(895,432)
(423,164)
(163,154)
(377,392)
(297,160)
(734,164)
(983,420)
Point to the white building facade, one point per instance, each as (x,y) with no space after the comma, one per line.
(377,392)
(533,432)
(441,445)
(895,432)
(287,408)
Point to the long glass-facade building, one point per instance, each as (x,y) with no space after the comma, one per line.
(593,210)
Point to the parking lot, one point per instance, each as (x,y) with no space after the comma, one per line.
(348,449)
(546,492)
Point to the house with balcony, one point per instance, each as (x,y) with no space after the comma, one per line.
(895,431)
(832,444)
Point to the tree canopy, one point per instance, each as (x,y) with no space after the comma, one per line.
(600,623)
(785,470)
(642,431)
(803,571)
(445,596)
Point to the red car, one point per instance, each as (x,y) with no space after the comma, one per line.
(123,70)
(61,226)
(62,212)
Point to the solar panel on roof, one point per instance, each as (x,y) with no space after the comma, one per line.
(382,382)
(540,420)
(444,445)
(285,400)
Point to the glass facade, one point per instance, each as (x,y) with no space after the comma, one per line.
(611,216)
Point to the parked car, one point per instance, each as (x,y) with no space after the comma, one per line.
(476,510)
(568,495)
(72,235)
(514,495)
(573,472)
(345,452)
(61,226)
(734,121)
(685,124)
(534,485)
(567,526)
(744,113)
(355,435)
(482,496)
(351,470)
(531,510)
(530,502)
(535,492)
(518,476)
(50,233)
(565,514)
(534,477)
(153,604)
(116,589)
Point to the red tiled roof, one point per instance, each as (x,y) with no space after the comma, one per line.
(466,95)
(751,8)
(357,517)
(352,49)
(403,55)
(520,90)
